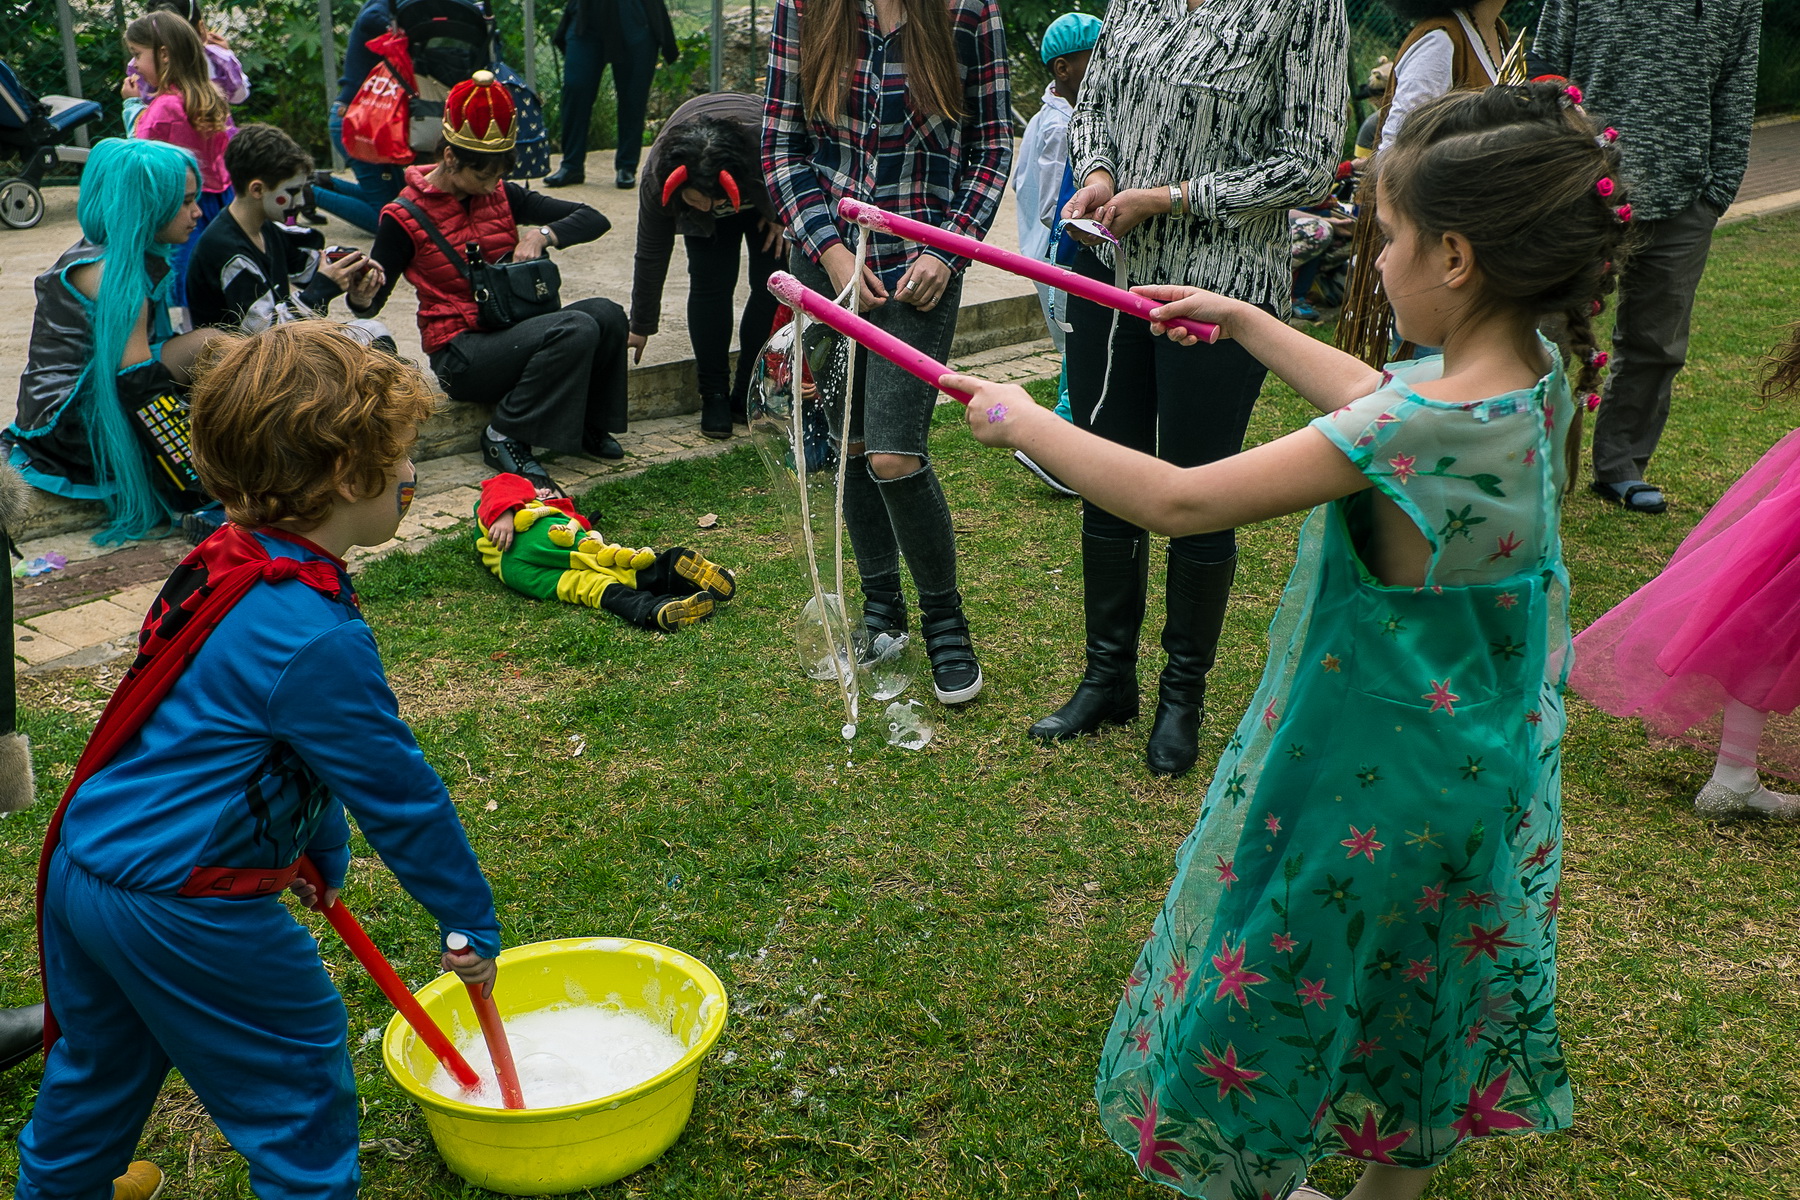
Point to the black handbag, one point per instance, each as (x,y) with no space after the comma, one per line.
(505,292)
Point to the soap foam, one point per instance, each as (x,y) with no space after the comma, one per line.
(568,1055)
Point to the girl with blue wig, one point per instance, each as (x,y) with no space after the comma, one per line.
(102,340)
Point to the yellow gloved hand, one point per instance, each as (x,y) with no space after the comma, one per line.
(529,515)
(565,534)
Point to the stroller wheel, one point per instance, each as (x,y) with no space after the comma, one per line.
(21,204)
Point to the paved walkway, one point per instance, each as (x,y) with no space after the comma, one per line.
(1772,181)
(90,611)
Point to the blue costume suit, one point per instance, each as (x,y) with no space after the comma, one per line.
(282,721)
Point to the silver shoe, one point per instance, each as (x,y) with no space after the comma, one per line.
(1778,805)
(1716,800)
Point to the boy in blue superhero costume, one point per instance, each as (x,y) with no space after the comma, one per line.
(256,713)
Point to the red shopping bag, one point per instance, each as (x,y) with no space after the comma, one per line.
(377,122)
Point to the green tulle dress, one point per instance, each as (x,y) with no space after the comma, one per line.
(1358,953)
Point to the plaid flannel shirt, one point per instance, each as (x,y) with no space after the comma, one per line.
(882,150)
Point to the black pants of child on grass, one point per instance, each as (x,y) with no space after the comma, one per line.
(657,585)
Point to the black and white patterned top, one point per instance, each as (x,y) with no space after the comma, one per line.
(1245,100)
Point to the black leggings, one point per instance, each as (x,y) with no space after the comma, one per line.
(712,279)
(1187,405)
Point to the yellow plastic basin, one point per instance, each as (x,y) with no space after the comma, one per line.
(536,1152)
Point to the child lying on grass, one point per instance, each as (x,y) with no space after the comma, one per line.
(543,548)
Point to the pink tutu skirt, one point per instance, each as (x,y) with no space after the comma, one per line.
(1721,622)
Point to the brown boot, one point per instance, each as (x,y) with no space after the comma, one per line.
(141,1181)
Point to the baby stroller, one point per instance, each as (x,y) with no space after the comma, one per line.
(32,129)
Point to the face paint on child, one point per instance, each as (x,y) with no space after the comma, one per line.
(283,198)
(404,489)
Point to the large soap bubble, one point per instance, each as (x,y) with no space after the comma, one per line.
(797,424)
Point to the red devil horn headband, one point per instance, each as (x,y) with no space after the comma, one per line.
(679,177)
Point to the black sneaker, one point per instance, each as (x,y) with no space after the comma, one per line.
(1052,482)
(202,523)
(698,570)
(508,457)
(955,673)
(676,613)
(884,628)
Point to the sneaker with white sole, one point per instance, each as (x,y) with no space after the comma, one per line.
(955,672)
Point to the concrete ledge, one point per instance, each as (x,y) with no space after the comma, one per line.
(667,389)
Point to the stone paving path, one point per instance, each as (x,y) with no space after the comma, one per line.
(89,612)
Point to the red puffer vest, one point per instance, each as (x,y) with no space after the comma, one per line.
(446,305)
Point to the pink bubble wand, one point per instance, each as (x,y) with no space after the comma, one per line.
(794,294)
(872,218)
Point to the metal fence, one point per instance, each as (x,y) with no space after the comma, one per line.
(292,49)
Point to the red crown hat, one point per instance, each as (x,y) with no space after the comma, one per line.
(478,115)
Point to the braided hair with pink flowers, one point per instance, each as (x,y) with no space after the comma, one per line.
(1532,181)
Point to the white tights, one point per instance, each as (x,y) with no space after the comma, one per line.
(1736,765)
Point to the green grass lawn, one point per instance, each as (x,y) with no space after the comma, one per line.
(923,948)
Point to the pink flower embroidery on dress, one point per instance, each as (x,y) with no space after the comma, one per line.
(1312,991)
(1483,1114)
(1230,1076)
(1281,943)
(1441,696)
(1403,465)
(1234,976)
(1150,1147)
(1367,1143)
(1227,875)
(1362,842)
(1506,599)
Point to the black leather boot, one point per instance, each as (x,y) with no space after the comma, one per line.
(21,1034)
(1114,572)
(571,172)
(715,415)
(1197,596)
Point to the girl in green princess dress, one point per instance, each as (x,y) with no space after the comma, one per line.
(1358,954)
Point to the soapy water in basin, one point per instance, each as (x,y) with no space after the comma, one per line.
(568,1055)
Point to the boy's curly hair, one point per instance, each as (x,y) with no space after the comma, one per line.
(283,418)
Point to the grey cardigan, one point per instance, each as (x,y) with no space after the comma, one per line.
(1245,100)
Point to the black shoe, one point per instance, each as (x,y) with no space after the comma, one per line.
(604,446)
(21,1034)
(884,627)
(202,523)
(625,177)
(1197,594)
(1114,572)
(676,613)
(715,416)
(567,174)
(508,457)
(700,571)
(955,673)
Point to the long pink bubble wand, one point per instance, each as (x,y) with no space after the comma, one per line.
(794,294)
(872,218)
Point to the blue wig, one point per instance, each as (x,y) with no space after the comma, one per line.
(130,188)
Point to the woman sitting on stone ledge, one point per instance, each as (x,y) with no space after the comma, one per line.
(106,300)
(556,380)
